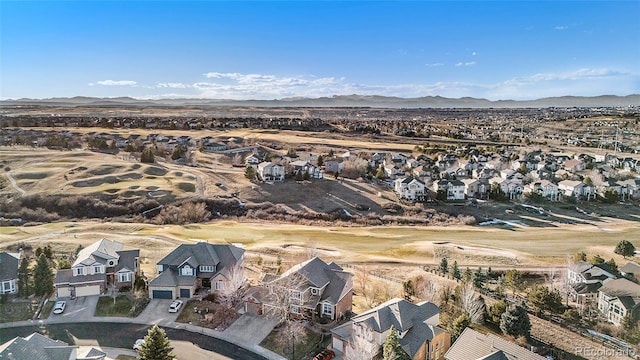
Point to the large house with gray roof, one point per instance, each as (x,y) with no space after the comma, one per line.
(40,347)
(201,266)
(9,263)
(472,345)
(417,325)
(619,298)
(102,264)
(315,288)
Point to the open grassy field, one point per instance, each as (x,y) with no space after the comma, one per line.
(411,246)
(47,172)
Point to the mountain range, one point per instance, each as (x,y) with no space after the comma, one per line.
(374,101)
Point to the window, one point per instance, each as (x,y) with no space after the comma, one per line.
(7,287)
(295,309)
(219,285)
(160,269)
(207,268)
(314,291)
(327,309)
(124,277)
(97,269)
(186,271)
(78,271)
(295,294)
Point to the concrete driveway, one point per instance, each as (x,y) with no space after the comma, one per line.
(250,328)
(157,312)
(80,309)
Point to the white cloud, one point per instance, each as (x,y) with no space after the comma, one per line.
(468,63)
(561,27)
(172,85)
(473,53)
(115,83)
(435,64)
(238,86)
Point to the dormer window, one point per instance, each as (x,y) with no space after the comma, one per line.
(78,271)
(186,271)
(97,269)
(315,291)
(207,268)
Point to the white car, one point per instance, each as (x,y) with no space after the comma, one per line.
(58,308)
(175,306)
(138,344)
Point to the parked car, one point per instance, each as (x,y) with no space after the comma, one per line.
(175,306)
(59,307)
(138,344)
(325,355)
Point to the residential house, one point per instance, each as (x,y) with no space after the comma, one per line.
(577,189)
(190,267)
(617,298)
(417,326)
(574,165)
(630,188)
(393,171)
(333,165)
(40,347)
(9,263)
(545,188)
(102,264)
(453,189)
(314,288)
(631,271)
(473,188)
(585,280)
(510,187)
(268,171)
(473,345)
(409,188)
(253,160)
(302,167)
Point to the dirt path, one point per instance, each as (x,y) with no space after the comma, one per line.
(14,184)
(571,342)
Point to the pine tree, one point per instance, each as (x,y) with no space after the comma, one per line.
(156,345)
(147,156)
(391,349)
(458,326)
(43,277)
(454,271)
(515,321)
(625,248)
(250,173)
(24,278)
(320,161)
(444,265)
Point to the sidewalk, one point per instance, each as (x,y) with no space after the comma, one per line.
(228,337)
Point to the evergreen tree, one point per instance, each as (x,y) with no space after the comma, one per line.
(250,173)
(380,174)
(513,280)
(177,153)
(515,321)
(454,271)
(156,345)
(24,278)
(43,277)
(64,264)
(48,252)
(409,290)
(612,265)
(444,265)
(320,161)
(596,259)
(625,248)
(306,176)
(147,156)
(542,299)
(391,349)
(478,278)
(458,325)
(496,310)
(580,256)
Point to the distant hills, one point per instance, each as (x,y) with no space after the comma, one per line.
(373,101)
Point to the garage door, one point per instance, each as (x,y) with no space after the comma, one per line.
(87,290)
(185,293)
(64,292)
(162,294)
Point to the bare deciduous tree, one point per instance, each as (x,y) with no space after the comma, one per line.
(235,285)
(471,302)
(361,345)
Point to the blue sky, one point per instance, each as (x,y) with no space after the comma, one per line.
(271,50)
